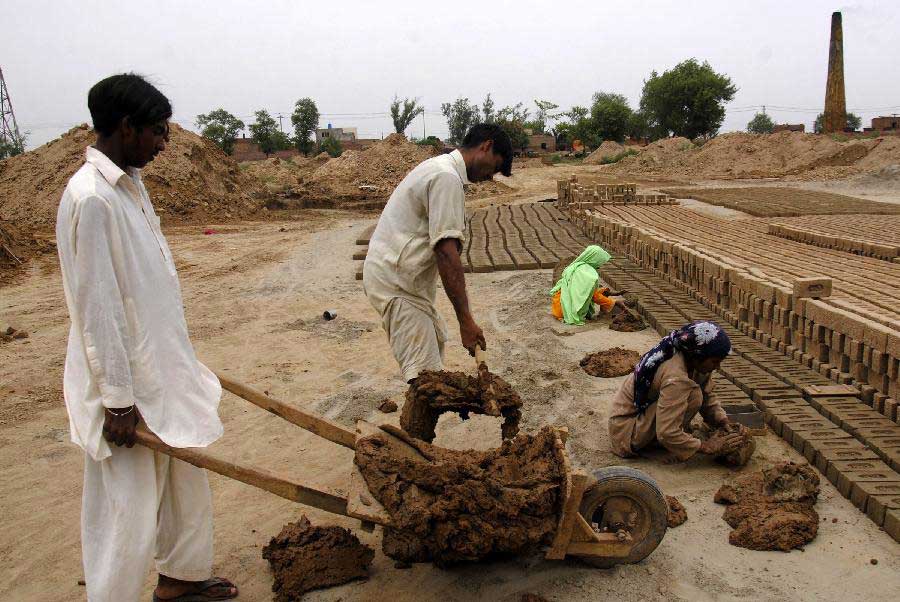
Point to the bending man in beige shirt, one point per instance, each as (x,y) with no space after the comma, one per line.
(670,384)
(419,236)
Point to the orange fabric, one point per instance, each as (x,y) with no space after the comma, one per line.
(600,299)
(556,306)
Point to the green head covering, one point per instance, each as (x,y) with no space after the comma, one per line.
(578,282)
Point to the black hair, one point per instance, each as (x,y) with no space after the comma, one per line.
(126,95)
(482,132)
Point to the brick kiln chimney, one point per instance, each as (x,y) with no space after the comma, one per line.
(835,101)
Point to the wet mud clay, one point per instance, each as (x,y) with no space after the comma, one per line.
(742,455)
(436,392)
(452,506)
(677,515)
(627,321)
(617,361)
(304,557)
(387,406)
(772,509)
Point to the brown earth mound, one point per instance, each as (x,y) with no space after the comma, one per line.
(608,148)
(369,174)
(617,361)
(280,175)
(192,180)
(772,509)
(677,515)
(450,506)
(304,557)
(627,321)
(436,392)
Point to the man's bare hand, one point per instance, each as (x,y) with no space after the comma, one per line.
(718,446)
(471,335)
(120,429)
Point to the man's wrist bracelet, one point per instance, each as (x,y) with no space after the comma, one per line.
(125,413)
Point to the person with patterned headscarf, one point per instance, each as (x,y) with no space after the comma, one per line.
(671,384)
(577,291)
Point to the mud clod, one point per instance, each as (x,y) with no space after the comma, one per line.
(436,392)
(304,557)
(742,455)
(772,509)
(677,515)
(450,506)
(627,321)
(387,406)
(617,361)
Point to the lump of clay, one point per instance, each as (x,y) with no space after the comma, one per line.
(436,392)
(617,361)
(677,515)
(449,506)
(387,406)
(772,509)
(304,557)
(741,455)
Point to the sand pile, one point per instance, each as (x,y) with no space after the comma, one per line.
(450,506)
(772,509)
(617,361)
(192,180)
(304,557)
(608,148)
(369,174)
(676,515)
(280,175)
(794,155)
(436,392)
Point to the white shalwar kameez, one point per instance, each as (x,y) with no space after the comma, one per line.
(128,345)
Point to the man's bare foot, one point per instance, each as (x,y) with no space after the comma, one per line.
(216,588)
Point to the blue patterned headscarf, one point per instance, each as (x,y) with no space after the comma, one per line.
(697,339)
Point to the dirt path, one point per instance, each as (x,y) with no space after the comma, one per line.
(254,296)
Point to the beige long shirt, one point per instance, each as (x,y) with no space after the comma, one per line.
(677,397)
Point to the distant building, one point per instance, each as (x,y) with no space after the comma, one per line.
(247,150)
(886,123)
(789,127)
(541,143)
(342,135)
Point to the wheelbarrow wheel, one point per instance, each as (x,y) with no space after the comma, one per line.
(626,499)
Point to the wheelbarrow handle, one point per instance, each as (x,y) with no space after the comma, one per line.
(323,499)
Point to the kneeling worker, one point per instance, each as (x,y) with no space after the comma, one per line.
(670,384)
(578,290)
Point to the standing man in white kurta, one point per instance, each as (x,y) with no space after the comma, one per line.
(419,236)
(129,359)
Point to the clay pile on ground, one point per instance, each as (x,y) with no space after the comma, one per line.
(626,320)
(369,174)
(608,363)
(676,515)
(192,180)
(772,509)
(436,392)
(277,175)
(304,557)
(742,455)
(794,155)
(608,149)
(452,506)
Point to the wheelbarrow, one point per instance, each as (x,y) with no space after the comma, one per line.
(617,515)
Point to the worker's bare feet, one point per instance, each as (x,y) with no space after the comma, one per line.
(176,590)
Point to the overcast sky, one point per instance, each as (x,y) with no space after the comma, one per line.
(352,57)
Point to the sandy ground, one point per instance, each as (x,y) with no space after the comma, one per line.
(254,296)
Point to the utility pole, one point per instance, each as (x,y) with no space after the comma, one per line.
(280,126)
(9,129)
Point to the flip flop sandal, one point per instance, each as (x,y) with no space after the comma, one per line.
(201,596)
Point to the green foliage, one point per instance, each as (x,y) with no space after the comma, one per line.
(542,118)
(282,141)
(332,146)
(761,124)
(305,120)
(433,141)
(221,127)
(403,112)
(618,156)
(687,100)
(610,117)
(852,121)
(264,132)
(515,129)
(460,116)
(487,108)
(11,148)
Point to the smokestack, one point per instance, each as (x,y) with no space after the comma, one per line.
(835,119)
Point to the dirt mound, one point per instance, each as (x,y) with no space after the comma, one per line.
(280,175)
(488,188)
(608,148)
(677,515)
(436,392)
(772,509)
(369,174)
(627,321)
(192,180)
(617,361)
(304,557)
(450,506)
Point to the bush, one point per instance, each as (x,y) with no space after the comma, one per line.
(331,146)
(618,157)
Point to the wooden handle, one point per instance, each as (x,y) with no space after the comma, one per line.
(480,356)
(322,499)
(314,424)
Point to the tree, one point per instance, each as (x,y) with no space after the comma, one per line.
(487,108)
(688,100)
(332,146)
(11,148)
(514,120)
(460,117)
(853,122)
(305,120)
(264,132)
(638,126)
(404,116)
(542,117)
(610,117)
(221,127)
(761,124)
